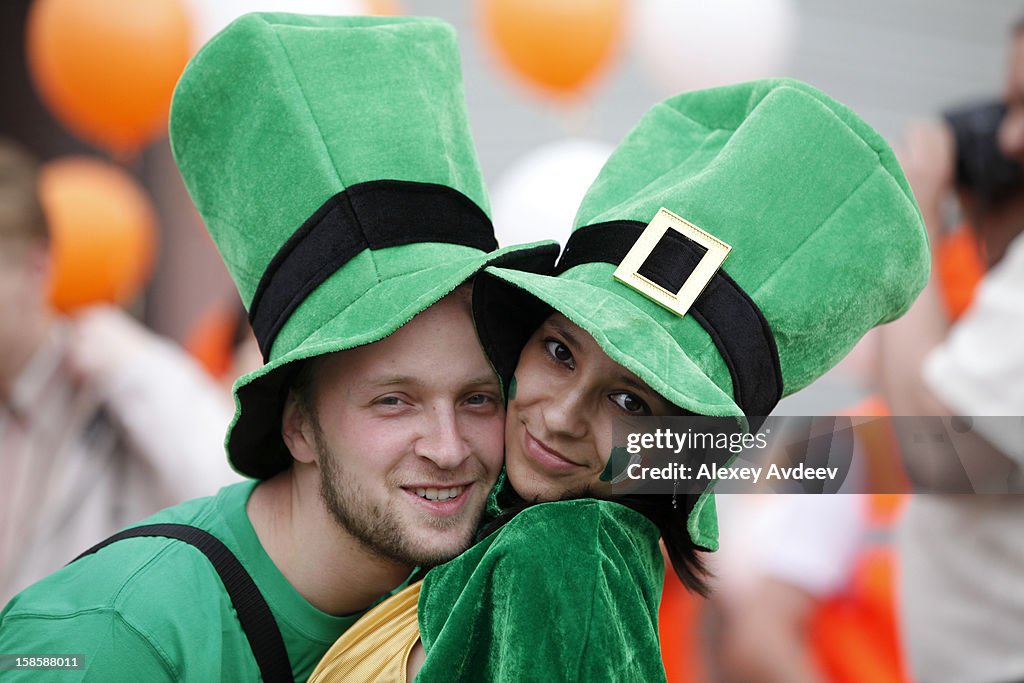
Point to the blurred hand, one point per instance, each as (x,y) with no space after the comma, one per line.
(105,339)
(928,157)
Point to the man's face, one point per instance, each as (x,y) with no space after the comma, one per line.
(12,294)
(22,293)
(1011,132)
(409,434)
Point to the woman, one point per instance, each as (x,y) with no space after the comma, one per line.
(823,240)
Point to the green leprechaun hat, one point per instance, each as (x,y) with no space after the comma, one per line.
(735,246)
(332,162)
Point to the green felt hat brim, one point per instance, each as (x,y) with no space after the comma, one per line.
(630,335)
(254,444)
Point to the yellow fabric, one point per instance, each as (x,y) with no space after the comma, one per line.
(377,647)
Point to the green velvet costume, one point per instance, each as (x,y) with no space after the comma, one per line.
(566,591)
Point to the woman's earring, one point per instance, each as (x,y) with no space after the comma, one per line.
(675,487)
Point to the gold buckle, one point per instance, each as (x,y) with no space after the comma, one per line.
(677,302)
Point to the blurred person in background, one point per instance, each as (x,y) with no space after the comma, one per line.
(962,556)
(786,556)
(803,591)
(101,421)
(959,557)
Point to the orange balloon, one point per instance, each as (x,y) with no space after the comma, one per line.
(384,8)
(107,68)
(557,45)
(103,232)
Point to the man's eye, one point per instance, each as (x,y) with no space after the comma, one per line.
(478,399)
(389,401)
(630,403)
(558,351)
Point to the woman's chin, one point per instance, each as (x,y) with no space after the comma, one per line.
(532,486)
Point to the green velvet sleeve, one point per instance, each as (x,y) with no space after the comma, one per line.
(566,591)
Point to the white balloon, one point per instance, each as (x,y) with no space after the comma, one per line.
(210,16)
(691,44)
(537,197)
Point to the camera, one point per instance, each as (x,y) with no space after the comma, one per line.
(981,166)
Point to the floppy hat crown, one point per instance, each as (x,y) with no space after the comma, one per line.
(332,163)
(822,235)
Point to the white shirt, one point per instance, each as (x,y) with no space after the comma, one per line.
(978,370)
(962,556)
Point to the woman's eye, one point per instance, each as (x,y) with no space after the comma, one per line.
(630,403)
(559,351)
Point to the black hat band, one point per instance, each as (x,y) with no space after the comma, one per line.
(371,215)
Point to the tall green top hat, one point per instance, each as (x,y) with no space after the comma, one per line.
(331,160)
(781,230)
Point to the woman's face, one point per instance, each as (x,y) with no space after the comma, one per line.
(558,430)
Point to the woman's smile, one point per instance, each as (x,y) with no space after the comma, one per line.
(546,456)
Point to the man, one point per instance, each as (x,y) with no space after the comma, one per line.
(961,555)
(90,408)
(332,163)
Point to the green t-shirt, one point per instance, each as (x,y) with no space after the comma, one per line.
(154,609)
(565,591)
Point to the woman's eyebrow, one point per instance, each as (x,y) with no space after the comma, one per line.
(634,383)
(564,331)
(627,378)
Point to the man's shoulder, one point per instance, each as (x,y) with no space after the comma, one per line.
(136,579)
(153,597)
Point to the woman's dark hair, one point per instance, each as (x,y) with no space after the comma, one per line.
(670,520)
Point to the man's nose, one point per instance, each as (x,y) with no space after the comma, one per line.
(443,441)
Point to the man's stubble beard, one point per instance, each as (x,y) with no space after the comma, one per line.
(376,528)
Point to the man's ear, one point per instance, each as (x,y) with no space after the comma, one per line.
(297,431)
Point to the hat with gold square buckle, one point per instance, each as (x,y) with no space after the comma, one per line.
(735,246)
(650,265)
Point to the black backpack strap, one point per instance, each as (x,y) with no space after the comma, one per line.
(254,614)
